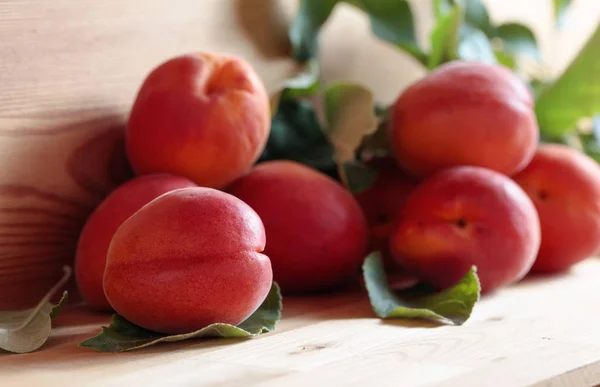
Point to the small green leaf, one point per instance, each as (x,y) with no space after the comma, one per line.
(302,85)
(445,37)
(474,45)
(377,143)
(359,176)
(391,21)
(56,308)
(305,83)
(506,59)
(575,95)
(476,15)
(305,28)
(297,135)
(123,335)
(560,10)
(518,39)
(27,330)
(350,111)
(451,306)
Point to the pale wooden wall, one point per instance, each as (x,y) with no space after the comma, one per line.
(69,71)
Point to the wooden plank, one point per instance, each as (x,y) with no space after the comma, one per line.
(542,332)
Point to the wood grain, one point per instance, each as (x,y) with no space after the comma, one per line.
(69,71)
(542,332)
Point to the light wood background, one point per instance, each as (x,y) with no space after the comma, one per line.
(69,71)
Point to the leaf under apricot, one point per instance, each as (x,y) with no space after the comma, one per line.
(451,306)
(27,330)
(122,335)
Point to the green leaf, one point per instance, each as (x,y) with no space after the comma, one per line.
(377,143)
(123,335)
(506,59)
(445,36)
(56,308)
(350,111)
(518,39)
(304,29)
(305,83)
(27,330)
(359,176)
(575,95)
(297,135)
(451,306)
(560,10)
(391,21)
(302,85)
(476,15)
(474,45)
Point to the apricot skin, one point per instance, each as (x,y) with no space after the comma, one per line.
(95,237)
(564,185)
(189,258)
(382,202)
(204,116)
(464,113)
(465,216)
(316,231)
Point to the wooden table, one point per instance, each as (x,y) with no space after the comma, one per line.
(543,332)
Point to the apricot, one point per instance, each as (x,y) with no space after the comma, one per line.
(189,258)
(464,113)
(204,116)
(317,234)
(464,216)
(564,185)
(95,237)
(382,201)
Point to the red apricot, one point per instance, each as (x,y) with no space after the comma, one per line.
(382,201)
(464,216)
(564,185)
(205,116)
(95,237)
(316,231)
(464,113)
(189,258)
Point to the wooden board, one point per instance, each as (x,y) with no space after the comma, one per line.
(70,69)
(543,332)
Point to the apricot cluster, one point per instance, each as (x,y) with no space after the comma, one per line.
(184,244)
(487,193)
(203,230)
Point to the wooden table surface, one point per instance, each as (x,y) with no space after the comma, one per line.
(542,332)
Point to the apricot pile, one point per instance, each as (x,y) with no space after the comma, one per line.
(488,194)
(203,230)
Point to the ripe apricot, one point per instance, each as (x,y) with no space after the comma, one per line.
(464,216)
(317,234)
(95,237)
(382,202)
(564,185)
(464,113)
(204,116)
(189,258)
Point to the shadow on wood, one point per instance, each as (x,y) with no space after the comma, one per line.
(265,23)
